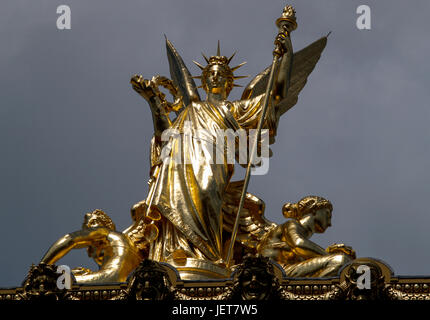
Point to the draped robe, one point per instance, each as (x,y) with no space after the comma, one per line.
(191,186)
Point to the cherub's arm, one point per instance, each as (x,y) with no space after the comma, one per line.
(294,235)
(76,240)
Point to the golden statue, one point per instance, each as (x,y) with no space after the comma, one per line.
(195,217)
(117,254)
(191,198)
(289,243)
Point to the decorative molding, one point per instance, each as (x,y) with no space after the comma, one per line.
(257,278)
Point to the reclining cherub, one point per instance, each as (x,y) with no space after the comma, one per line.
(116,253)
(289,243)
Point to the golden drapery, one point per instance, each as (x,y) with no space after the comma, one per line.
(190,189)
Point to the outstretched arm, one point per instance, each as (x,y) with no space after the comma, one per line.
(76,240)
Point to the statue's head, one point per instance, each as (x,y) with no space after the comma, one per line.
(318,207)
(217,76)
(255,279)
(150,281)
(97,218)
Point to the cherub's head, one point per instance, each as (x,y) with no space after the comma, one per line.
(315,206)
(254,279)
(97,218)
(217,77)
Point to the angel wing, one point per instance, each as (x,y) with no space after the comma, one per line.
(304,61)
(252,223)
(181,76)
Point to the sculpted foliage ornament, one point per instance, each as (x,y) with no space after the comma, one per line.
(41,284)
(377,290)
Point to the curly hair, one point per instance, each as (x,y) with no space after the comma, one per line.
(309,204)
(100,217)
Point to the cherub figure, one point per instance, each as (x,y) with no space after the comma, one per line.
(116,253)
(289,243)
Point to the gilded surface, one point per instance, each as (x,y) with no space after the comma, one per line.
(154,281)
(195,217)
(289,243)
(116,253)
(195,196)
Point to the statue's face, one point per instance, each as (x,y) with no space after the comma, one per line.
(255,284)
(216,80)
(91,221)
(322,220)
(150,286)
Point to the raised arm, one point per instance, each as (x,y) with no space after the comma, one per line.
(283,68)
(146,90)
(76,240)
(247,110)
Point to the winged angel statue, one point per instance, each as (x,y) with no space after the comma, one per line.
(191,205)
(195,217)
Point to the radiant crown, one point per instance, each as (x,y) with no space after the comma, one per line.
(221,61)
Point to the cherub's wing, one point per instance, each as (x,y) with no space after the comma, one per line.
(181,76)
(304,62)
(252,223)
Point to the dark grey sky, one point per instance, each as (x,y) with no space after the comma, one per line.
(75,137)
